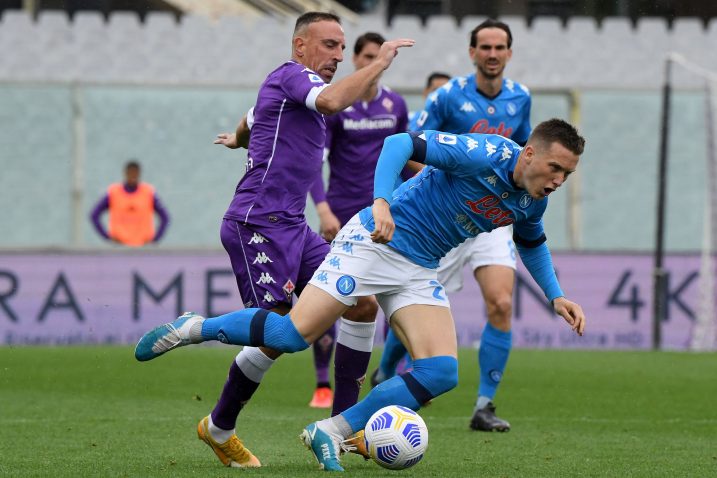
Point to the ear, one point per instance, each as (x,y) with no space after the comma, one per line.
(529,153)
(299,45)
(471,53)
(510,53)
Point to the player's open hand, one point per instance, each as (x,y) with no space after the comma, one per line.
(571,312)
(382,218)
(389,50)
(227,139)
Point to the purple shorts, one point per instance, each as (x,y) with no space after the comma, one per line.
(272,263)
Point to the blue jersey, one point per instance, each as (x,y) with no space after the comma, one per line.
(466,189)
(458,107)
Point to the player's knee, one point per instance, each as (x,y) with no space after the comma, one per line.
(500,309)
(437,375)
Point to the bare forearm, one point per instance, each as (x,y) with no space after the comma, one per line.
(345,92)
(242,133)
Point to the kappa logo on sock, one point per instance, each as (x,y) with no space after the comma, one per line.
(495,375)
(222,338)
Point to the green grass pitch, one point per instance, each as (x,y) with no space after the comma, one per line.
(94,411)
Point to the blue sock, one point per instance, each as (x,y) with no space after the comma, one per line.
(393,350)
(255,327)
(492,357)
(430,377)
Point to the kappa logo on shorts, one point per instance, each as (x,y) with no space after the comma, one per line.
(262,258)
(348,247)
(322,277)
(357,237)
(265,278)
(257,239)
(268,297)
(335,262)
(345,285)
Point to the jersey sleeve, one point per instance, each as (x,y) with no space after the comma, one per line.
(303,86)
(434,111)
(530,232)
(523,131)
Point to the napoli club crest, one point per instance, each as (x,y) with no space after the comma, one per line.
(525,201)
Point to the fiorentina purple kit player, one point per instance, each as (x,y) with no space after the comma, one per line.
(264,230)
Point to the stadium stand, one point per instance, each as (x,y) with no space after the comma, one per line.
(160,89)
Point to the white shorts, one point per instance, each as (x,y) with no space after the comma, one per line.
(358,267)
(486,249)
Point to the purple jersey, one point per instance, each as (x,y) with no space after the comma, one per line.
(285,149)
(354,139)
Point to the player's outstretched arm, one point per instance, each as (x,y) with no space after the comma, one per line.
(571,312)
(238,139)
(342,94)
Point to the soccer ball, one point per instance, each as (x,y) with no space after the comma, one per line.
(396,437)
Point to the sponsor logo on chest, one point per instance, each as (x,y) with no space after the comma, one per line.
(488,207)
(482,126)
(369,123)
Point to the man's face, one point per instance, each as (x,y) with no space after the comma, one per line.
(369,52)
(321,47)
(546,168)
(491,52)
(131,176)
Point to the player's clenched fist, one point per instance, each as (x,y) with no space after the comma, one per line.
(383,220)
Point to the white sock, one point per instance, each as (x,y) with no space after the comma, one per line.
(482,402)
(356,335)
(253,363)
(336,426)
(219,435)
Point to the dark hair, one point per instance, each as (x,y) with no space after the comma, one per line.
(557,130)
(312,17)
(435,76)
(132,164)
(368,37)
(490,23)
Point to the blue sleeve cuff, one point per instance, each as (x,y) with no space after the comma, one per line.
(540,265)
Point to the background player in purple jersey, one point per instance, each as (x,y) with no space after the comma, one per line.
(484,102)
(354,138)
(272,250)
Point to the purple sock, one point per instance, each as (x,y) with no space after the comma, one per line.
(349,371)
(322,356)
(238,389)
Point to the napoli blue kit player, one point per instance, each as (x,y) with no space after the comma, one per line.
(483,102)
(354,138)
(272,249)
(473,184)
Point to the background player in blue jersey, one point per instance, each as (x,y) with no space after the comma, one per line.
(354,138)
(484,102)
(475,183)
